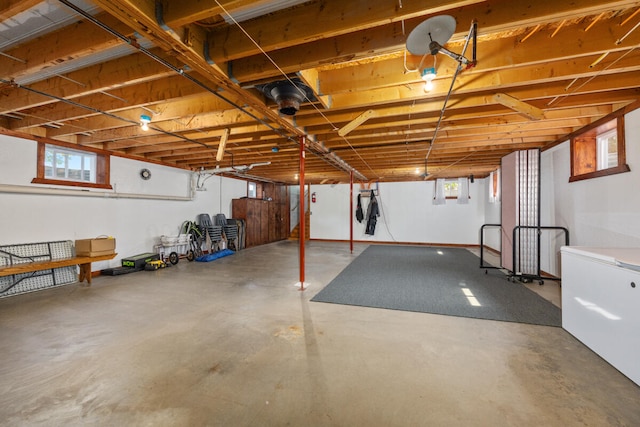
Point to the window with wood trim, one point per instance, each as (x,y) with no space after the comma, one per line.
(77,167)
(599,151)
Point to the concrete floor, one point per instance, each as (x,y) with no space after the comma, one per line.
(234,343)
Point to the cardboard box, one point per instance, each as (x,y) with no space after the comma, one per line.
(95,247)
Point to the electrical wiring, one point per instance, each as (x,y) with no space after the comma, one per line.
(384,217)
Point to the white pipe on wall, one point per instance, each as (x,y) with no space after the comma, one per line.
(48,191)
(242,168)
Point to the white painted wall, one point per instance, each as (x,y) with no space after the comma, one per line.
(407,214)
(598,212)
(601,212)
(492,215)
(137,224)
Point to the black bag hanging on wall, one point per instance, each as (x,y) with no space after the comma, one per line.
(359,213)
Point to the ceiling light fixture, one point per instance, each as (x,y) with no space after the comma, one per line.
(432,34)
(144,122)
(429,37)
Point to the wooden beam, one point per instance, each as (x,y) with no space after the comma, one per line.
(537,90)
(188,11)
(495,18)
(72,42)
(106,76)
(223,143)
(515,104)
(518,63)
(356,122)
(152,92)
(318,20)
(11,8)
(141,16)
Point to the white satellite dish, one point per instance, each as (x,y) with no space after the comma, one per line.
(437,29)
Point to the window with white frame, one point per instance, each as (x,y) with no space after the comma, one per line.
(252,190)
(71,165)
(607,149)
(451,189)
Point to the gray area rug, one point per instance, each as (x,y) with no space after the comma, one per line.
(436,280)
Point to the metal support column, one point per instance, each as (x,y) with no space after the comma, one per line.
(303,226)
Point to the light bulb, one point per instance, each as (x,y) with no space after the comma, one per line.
(144,122)
(428,74)
(428,86)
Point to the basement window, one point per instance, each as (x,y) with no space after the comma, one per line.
(62,165)
(252,190)
(599,151)
(451,189)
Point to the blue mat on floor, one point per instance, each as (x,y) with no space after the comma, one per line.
(436,280)
(215,255)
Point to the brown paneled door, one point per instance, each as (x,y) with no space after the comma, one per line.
(274,223)
(283,213)
(284,217)
(264,221)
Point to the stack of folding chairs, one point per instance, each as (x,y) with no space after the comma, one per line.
(214,232)
(230,231)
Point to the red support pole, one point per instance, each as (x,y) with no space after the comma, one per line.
(351,211)
(303,228)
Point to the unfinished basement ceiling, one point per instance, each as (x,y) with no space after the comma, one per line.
(544,70)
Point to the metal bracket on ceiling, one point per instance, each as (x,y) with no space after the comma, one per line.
(205,52)
(160,17)
(230,71)
(207,57)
